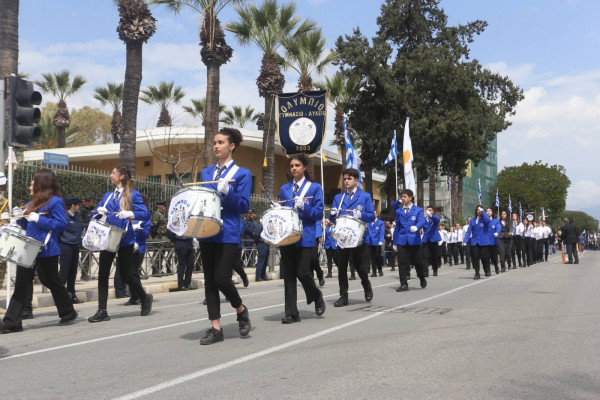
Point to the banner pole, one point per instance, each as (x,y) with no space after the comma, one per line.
(323,188)
(396,170)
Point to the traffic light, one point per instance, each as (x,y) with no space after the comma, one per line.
(22,114)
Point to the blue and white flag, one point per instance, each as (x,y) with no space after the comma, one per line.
(509,204)
(479,190)
(520,211)
(497,199)
(393,151)
(351,159)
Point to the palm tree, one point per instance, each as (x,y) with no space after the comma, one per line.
(268,26)
(9,37)
(341,89)
(164,95)
(305,54)
(198,109)
(239,117)
(59,84)
(112,95)
(215,52)
(136,26)
(49,136)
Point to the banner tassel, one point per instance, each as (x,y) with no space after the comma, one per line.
(265,162)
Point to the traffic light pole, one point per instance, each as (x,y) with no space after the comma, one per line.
(9,264)
(2,118)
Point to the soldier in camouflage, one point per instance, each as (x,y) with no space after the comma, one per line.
(158,230)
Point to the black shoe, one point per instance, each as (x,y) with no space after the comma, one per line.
(488,274)
(380,273)
(476,276)
(147,305)
(245,280)
(408,277)
(321,281)
(468,267)
(100,316)
(12,329)
(183,288)
(434,273)
(374,275)
(69,319)
(497,271)
(341,302)
(402,288)
(577,262)
(265,278)
(328,276)
(352,278)
(423,282)
(393,269)
(503,270)
(85,277)
(27,314)
(132,302)
(76,300)
(290,319)
(204,302)
(319,306)
(244,322)
(369,293)
(212,336)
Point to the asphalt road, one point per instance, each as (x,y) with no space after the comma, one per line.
(532,333)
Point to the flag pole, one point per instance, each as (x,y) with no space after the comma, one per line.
(396,170)
(322,187)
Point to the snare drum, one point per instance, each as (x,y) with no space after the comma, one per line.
(281,226)
(101,235)
(348,231)
(202,208)
(18,248)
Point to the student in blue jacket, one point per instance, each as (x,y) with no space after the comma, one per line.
(45,217)
(121,207)
(220,252)
(330,248)
(352,201)
(494,229)
(479,246)
(375,239)
(296,258)
(432,239)
(407,239)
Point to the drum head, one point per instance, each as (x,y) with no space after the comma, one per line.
(202,227)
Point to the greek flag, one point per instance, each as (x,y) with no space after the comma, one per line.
(479,191)
(351,159)
(393,151)
(497,199)
(509,204)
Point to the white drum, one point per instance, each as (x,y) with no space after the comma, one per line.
(18,248)
(195,212)
(281,226)
(348,231)
(101,235)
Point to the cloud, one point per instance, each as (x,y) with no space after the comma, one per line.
(584,194)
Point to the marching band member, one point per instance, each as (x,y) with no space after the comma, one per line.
(467,246)
(528,239)
(359,205)
(476,233)
(296,258)
(45,216)
(505,241)
(141,230)
(453,245)
(375,239)
(330,248)
(219,253)
(120,207)
(407,239)
(517,242)
(460,235)
(493,230)
(432,239)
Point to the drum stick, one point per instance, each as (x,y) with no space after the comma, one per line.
(205,182)
(283,201)
(25,216)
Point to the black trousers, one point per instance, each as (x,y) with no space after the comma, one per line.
(408,255)
(443,253)
(468,253)
(358,254)
(480,253)
(538,250)
(218,260)
(315,263)
(517,250)
(295,262)
(376,258)
(185,262)
(546,247)
(529,249)
(138,259)
(461,252)
(261,264)
(494,255)
(572,252)
(330,253)
(433,253)
(453,253)
(239,267)
(47,269)
(69,259)
(128,270)
(504,248)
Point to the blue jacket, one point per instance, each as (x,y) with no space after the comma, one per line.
(311,215)
(71,235)
(477,231)
(375,232)
(234,204)
(55,220)
(493,227)
(140,213)
(329,240)
(360,198)
(402,233)
(430,231)
(141,235)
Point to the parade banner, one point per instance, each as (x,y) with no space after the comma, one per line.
(302,120)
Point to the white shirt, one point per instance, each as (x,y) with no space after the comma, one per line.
(546,232)
(460,234)
(452,237)
(444,235)
(528,231)
(520,229)
(464,231)
(226,165)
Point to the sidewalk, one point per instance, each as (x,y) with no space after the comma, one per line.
(88,290)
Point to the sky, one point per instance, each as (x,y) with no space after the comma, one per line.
(549,48)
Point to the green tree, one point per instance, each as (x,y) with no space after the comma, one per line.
(238,116)
(112,95)
(198,109)
(535,186)
(580,219)
(163,95)
(268,26)
(59,85)
(215,52)
(93,127)
(136,26)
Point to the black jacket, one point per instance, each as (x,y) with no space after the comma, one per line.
(568,233)
(505,230)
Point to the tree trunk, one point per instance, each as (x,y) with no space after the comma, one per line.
(459,196)
(368,181)
(9,44)
(61,141)
(115,126)
(131,93)
(211,117)
(454,200)
(432,183)
(268,172)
